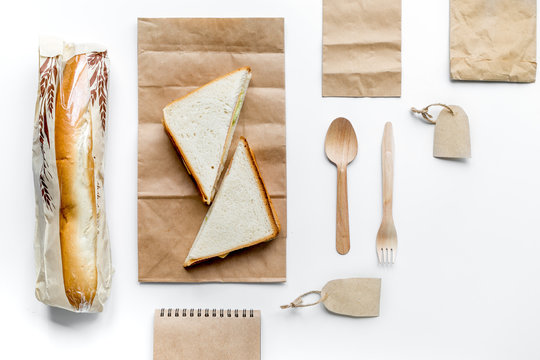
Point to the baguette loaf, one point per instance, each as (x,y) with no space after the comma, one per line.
(75,165)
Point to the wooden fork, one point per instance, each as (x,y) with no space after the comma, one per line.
(387,236)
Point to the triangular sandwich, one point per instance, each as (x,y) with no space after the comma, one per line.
(201,127)
(241,215)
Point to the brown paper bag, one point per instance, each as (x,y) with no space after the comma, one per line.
(361,48)
(207,334)
(176,56)
(493,40)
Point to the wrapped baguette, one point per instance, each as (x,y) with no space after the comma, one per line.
(72,249)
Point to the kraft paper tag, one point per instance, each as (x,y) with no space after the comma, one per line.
(356,297)
(452,137)
(493,40)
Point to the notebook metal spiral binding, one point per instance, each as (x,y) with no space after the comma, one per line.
(205,313)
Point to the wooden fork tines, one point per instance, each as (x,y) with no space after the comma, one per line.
(387,243)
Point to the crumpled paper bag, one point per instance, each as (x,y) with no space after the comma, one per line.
(493,40)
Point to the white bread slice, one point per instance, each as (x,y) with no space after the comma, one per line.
(201,127)
(242,214)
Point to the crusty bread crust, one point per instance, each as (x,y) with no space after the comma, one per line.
(207,198)
(75,165)
(269,208)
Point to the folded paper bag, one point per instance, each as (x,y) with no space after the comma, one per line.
(361,48)
(356,297)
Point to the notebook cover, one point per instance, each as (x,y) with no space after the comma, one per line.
(207,334)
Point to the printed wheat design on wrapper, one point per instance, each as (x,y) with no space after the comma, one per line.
(48,74)
(244,313)
(99,83)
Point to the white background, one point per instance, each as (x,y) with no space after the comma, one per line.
(466,282)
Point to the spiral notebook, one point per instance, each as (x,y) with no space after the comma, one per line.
(207,334)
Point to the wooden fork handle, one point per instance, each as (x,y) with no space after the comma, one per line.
(342,213)
(388,168)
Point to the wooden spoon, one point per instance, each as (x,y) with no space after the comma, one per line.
(341,148)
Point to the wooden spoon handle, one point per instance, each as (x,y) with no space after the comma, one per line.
(342,212)
(388,168)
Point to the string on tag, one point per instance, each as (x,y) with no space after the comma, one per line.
(425,112)
(298,302)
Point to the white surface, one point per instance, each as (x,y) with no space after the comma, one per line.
(466,282)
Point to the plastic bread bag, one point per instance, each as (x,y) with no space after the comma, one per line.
(72,250)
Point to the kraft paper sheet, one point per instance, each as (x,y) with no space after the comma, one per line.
(493,40)
(176,56)
(361,48)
